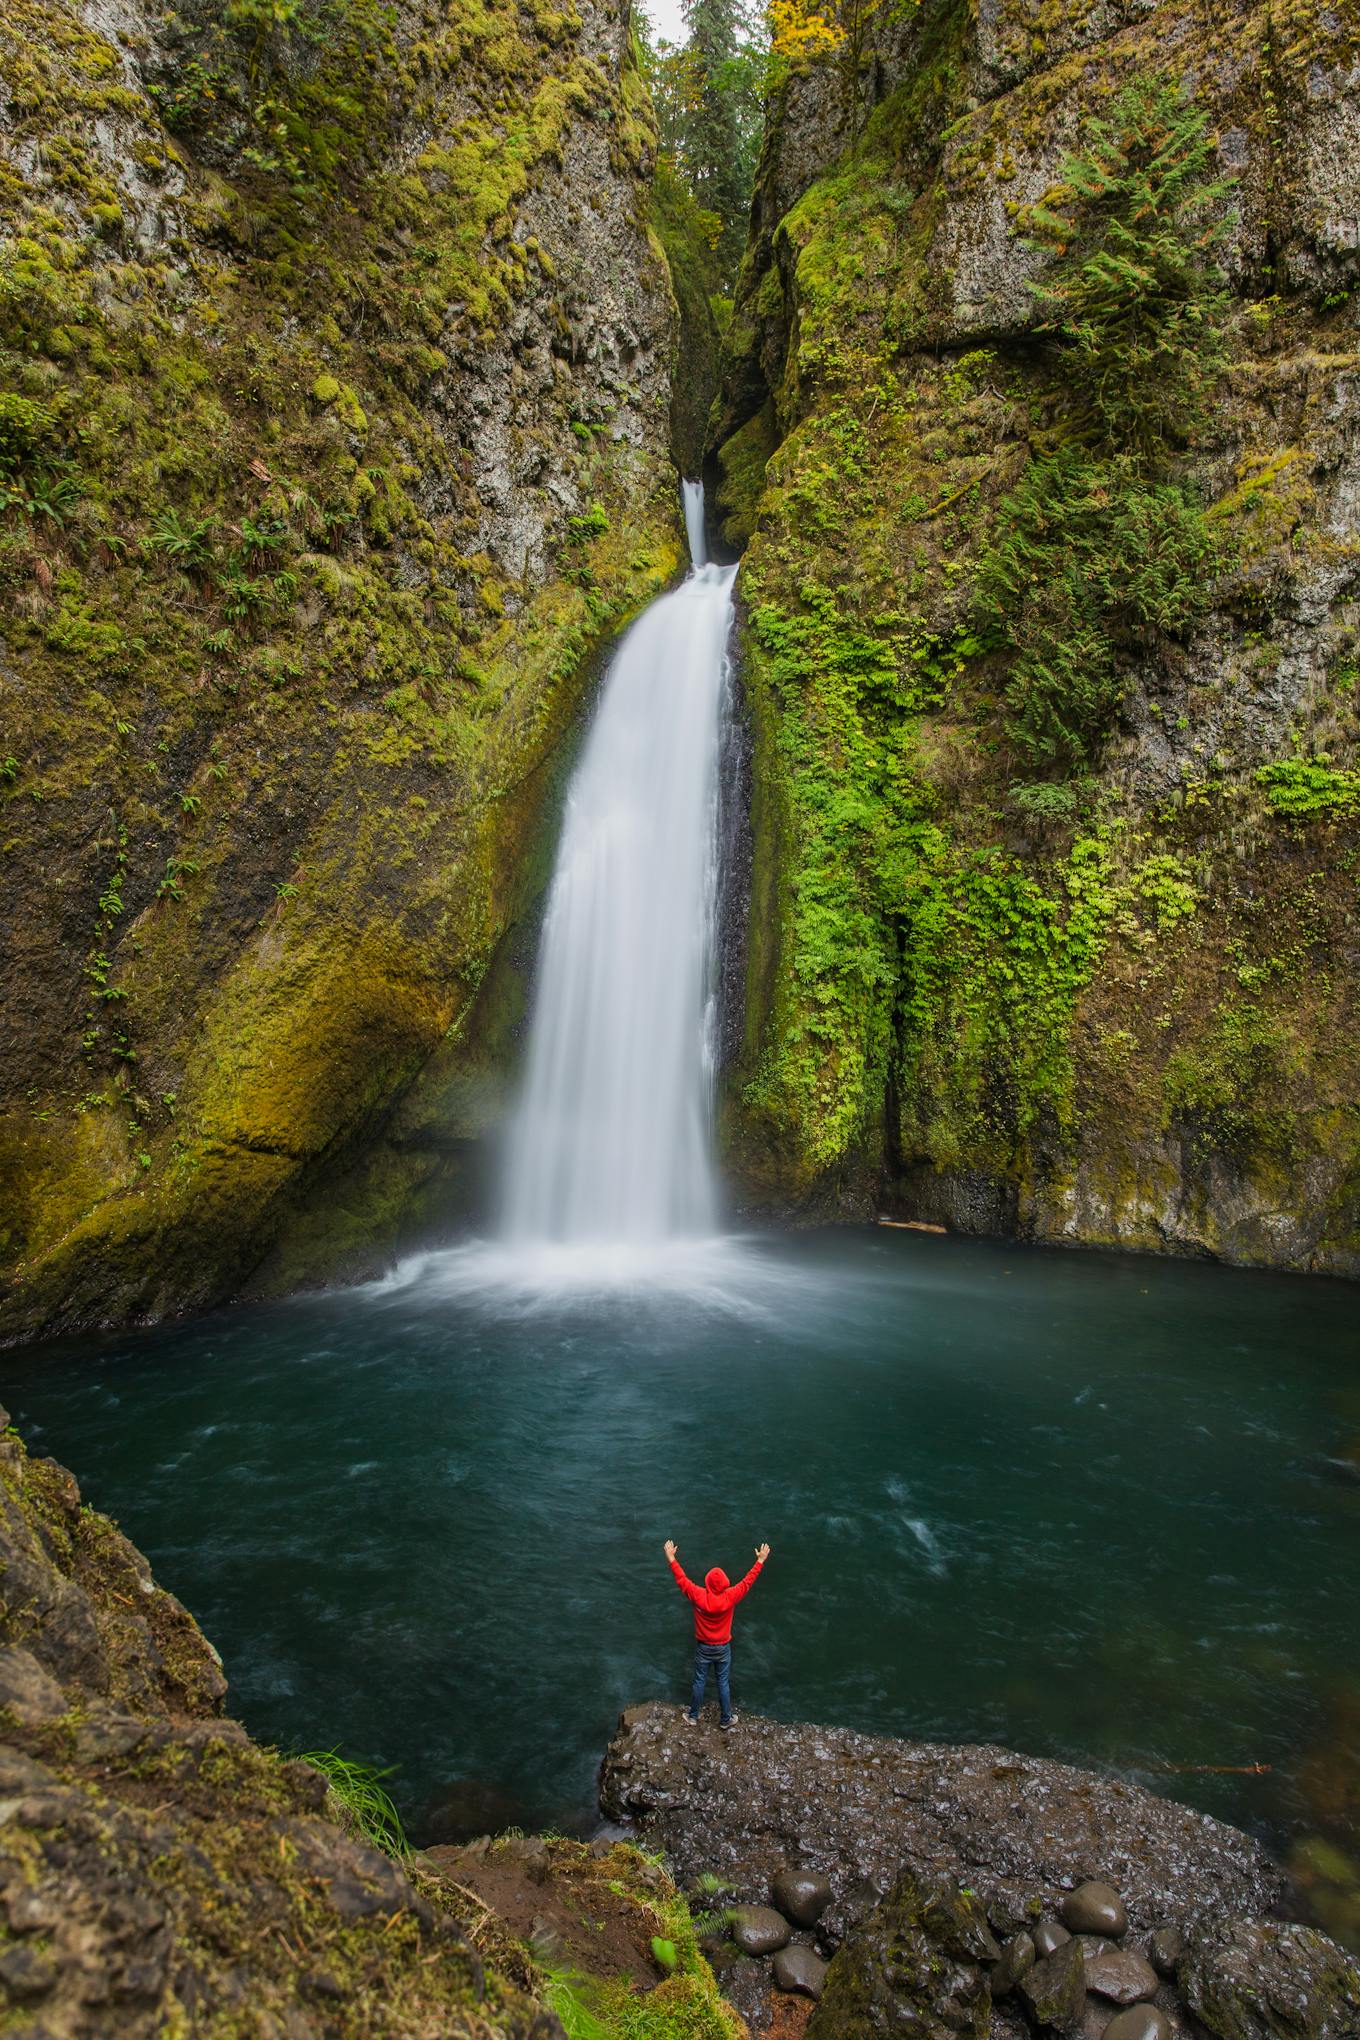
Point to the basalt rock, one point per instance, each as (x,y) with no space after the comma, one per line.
(1017,1830)
(1055,1989)
(1121,1975)
(800,1971)
(1265,1980)
(758,1929)
(801,1895)
(916,1965)
(1138,2022)
(1017,1959)
(1095,1908)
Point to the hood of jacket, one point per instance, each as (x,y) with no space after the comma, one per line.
(717,1581)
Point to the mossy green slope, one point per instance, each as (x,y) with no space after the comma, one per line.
(1114,1003)
(334,351)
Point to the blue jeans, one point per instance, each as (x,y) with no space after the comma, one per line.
(719,1657)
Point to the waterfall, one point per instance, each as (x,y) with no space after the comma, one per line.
(610,1144)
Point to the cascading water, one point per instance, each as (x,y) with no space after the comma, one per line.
(610,1145)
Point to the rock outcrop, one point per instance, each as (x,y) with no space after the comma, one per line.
(952,1871)
(1114,1002)
(859,1808)
(337,361)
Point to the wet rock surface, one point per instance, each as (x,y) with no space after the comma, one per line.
(801,1895)
(1016,1829)
(1055,1989)
(1095,1908)
(799,1970)
(1120,1975)
(1269,1980)
(758,1929)
(915,1966)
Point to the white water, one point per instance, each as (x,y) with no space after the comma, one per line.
(610,1148)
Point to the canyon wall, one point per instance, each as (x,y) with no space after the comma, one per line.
(1114,1003)
(336,350)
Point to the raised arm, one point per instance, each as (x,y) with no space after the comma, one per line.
(686,1586)
(745,1586)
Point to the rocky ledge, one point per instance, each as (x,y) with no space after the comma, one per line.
(967,1891)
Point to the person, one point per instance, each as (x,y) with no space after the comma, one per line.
(713,1605)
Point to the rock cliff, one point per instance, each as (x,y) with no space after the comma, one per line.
(336,355)
(1114,1002)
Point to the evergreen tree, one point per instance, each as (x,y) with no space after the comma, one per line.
(720,122)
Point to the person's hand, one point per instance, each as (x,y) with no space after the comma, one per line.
(762,1553)
(670,1550)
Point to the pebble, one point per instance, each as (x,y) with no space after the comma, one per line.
(1139,2022)
(799,1969)
(1119,1974)
(759,1930)
(1017,1959)
(1095,1908)
(1048,1937)
(801,1895)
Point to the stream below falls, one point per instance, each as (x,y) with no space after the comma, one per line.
(1091,1506)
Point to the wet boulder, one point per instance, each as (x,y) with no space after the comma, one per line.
(1164,1949)
(1055,1989)
(758,1929)
(1095,1908)
(1018,1957)
(1138,2022)
(801,1895)
(799,1970)
(916,1965)
(1120,1975)
(1265,1980)
(1049,1936)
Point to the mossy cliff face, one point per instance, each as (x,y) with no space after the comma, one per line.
(1118,1005)
(161,1873)
(335,356)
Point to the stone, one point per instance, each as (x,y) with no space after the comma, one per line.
(759,1929)
(801,1895)
(1139,2022)
(25,1973)
(915,1965)
(1095,1908)
(1164,1949)
(1048,1937)
(799,1970)
(1017,1959)
(863,1807)
(1120,1975)
(1266,1980)
(1055,1989)
(28,1692)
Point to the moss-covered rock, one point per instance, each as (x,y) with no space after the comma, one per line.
(160,1873)
(324,467)
(1113,1003)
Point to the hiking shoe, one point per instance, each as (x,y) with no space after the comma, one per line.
(691,1719)
(730,1722)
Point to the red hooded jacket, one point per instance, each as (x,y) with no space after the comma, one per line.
(714,1600)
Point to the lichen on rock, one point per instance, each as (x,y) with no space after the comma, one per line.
(335,446)
(1112,1001)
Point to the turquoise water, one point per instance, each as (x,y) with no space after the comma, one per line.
(1082,1504)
